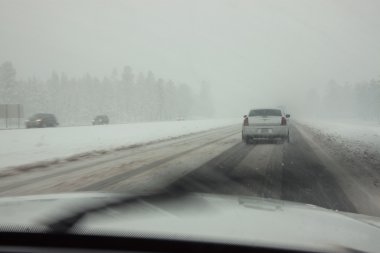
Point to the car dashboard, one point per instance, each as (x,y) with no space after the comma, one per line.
(55,242)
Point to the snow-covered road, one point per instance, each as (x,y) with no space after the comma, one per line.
(311,169)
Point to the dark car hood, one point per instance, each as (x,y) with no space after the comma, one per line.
(235,219)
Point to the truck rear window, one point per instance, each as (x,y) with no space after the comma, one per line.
(265,112)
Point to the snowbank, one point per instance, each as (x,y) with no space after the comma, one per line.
(350,150)
(362,131)
(358,136)
(23,146)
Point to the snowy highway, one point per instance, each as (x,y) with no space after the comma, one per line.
(308,170)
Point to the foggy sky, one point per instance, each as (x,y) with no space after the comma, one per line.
(250,52)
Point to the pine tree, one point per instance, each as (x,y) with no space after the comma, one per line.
(7,83)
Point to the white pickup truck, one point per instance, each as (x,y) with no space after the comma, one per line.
(265,123)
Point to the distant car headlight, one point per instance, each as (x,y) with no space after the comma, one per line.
(38,120)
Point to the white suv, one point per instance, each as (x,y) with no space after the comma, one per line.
(265,123)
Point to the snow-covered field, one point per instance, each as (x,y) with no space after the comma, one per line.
(23,146)
(360,137)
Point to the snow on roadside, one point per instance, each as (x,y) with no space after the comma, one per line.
(350,150)
(24,146)
(360,138)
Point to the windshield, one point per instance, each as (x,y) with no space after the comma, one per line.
(38,116)
(264,113)
(142,97)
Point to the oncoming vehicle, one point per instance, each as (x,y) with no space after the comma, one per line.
(42,120)
(265,123)
(101,120)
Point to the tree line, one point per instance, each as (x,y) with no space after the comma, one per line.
(124,96)
(360,100)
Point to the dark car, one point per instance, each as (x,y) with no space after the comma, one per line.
(42,120)
(101,120)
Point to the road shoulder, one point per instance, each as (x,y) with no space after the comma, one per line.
(357,176)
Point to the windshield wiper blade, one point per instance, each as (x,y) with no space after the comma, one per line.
(66,223)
